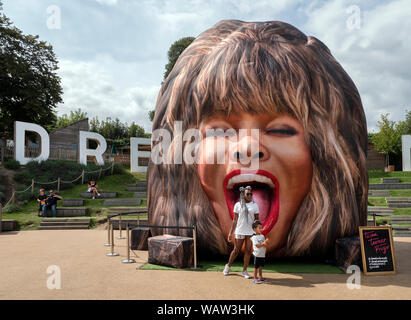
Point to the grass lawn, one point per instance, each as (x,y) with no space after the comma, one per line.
(27,216)
(377,201)
(375,176)
(276,267)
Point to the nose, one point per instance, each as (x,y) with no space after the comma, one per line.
(239,155)
(250,148)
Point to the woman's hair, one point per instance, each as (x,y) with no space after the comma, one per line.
(244,209)
(271,68)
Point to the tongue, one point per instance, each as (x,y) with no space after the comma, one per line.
(263,200)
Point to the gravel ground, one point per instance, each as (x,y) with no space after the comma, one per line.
(87,273)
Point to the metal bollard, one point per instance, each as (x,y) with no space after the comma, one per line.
(195,245)
(112,253)
(128,260)
(108,244)
(1,218)
(120,237)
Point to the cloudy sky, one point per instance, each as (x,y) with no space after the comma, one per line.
(112,53)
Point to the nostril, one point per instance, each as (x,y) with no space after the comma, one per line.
(259,155)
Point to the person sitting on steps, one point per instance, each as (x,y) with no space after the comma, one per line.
(41,199)
(51,202)
(92,187)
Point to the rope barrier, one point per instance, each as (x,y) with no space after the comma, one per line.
(23,190)
(62,181)
(41,183)
(59,181)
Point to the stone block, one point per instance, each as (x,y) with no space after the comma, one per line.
(172,251)
(139,238)
(348,252)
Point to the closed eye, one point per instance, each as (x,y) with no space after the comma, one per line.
(287,132)
(220,132)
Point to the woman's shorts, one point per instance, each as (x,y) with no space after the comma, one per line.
(241,236)
(258,262)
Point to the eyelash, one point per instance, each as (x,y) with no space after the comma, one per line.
(217,132)
(289,132)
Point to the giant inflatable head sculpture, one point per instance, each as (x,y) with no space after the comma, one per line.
(311,183)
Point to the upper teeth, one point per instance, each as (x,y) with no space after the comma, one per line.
(249,177)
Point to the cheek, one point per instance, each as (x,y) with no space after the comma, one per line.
(295,157)
(211,175)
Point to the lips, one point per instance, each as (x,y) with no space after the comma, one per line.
(265,189)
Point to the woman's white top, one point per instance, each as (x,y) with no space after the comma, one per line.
(244,226)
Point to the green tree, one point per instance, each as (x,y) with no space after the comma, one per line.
(388,140)
(68,119)
(30,88)
(173,53)
(115,132)
(407,122)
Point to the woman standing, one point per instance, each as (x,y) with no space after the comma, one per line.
(245,212)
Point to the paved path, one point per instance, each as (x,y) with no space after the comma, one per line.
(87,273)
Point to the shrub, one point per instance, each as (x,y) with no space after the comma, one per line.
(22,177)
(48,171)
(10,208)
(12,164)
(1,196)
(26,195)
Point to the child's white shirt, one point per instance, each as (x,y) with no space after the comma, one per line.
(258,239)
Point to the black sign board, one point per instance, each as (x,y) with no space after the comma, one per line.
(377,250)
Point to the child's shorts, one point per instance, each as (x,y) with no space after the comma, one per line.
(258,262)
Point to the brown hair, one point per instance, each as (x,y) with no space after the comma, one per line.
(266,67)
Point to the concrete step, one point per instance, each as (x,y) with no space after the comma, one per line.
(384,186)
(142,183)
(69,212)
(8,225)
(62,220)
(402,234)
(379,193)
(401,228)
(103,195)
(398,199)
(73,202)
(380,210)
(122,202)
(140,194)
(390,180)
(399,204)
(400,219)
(136,188)
(43,224)
(71,227)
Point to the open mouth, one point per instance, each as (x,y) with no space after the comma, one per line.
(265,191)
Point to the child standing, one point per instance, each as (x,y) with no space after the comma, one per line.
(259,248)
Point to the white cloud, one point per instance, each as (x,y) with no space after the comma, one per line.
(107,2)
(376,55)
(112,53)
(90,86)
